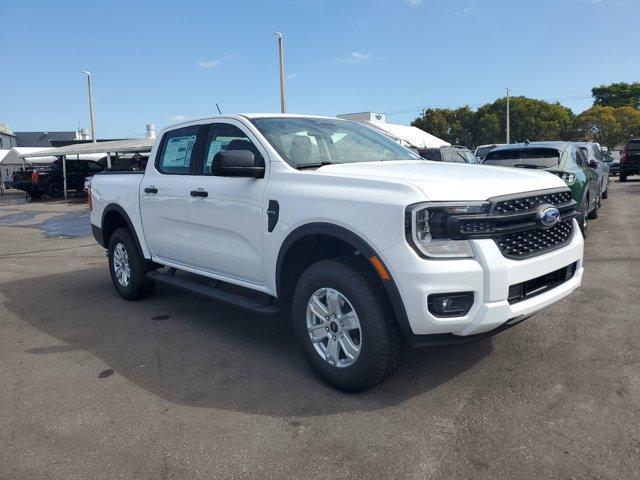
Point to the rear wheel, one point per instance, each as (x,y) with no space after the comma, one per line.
(605,194)
(346,332)
(623,177)
(127,267)
(55,190)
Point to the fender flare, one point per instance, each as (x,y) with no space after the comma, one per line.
(341,233)
(117,208)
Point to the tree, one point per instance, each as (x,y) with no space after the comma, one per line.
(453,126)
(617,95)
(608,125)
(531,119)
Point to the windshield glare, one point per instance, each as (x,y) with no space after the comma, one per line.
(304,141)
(530,158)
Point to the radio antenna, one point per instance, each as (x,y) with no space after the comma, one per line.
(218,107)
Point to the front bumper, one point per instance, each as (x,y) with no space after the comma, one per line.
(489,275)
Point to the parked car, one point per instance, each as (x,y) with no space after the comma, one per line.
(612,157)
(564,159)
(38,181)
(630,159)
(482,150)
(363,238)
(449,153)
(593,151)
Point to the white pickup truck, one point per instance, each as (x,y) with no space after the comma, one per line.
(367,241)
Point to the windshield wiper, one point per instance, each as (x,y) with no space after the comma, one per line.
(527,165)
(313,165)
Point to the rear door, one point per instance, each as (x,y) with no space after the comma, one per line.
(227,223)
(165,192)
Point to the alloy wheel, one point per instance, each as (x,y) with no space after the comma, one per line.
(121,265)
(334,327)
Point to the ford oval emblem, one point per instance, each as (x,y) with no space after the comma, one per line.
(548,216)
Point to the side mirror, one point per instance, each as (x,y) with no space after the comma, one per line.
(593,163)
(237,163)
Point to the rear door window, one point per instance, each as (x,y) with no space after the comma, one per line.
(177,150)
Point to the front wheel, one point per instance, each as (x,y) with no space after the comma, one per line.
(127,267)
(55,190)
(583,217)
(623,177)
(593,214)
(347,333)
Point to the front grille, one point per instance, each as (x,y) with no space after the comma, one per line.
(527,204)
(515,223)
(533,242)
(536,286)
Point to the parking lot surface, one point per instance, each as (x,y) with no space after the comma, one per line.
(176,386)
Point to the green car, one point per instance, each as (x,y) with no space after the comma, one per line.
(564,159)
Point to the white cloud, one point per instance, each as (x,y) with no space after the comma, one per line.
(179,118)
(355,57)
(214,62)
(292,75)
(358,23)
(208,63)
(465,11)
(414,3)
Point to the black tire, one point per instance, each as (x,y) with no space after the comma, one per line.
(583,218)
(593,214)
(55,190)
(605,194)
(380,342)
(623,177)
(138,286)
(34,195)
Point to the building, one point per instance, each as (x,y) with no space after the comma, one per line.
(7,139)
(45,139)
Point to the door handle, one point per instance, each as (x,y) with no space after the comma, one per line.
(150,190)
(199,193)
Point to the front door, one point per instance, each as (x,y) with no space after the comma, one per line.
(165,193)
(227,223)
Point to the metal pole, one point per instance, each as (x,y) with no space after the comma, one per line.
(283,105)
(64,175)
(93,127)
(508,119)
(109,160)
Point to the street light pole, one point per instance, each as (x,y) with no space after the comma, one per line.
(280,38)
(93,127)
(508,118)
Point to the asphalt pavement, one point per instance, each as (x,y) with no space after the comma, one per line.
(175,386)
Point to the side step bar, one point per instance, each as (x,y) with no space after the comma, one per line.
(215,293)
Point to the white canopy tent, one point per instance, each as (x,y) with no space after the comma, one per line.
(83,151)
(404,134)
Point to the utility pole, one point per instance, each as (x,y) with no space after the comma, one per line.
(93,126)
(280,39)
(508,119)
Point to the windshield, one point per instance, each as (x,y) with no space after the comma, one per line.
(526,157)
(317,141)
(481,152)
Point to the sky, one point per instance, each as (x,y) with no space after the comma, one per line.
(163,62)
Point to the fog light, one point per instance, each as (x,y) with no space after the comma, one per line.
(450,304)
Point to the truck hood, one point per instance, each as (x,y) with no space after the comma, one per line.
(441,181)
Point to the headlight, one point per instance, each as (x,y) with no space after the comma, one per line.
(426,228)
(568,178)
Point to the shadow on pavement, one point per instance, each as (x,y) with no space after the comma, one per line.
(200,353)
